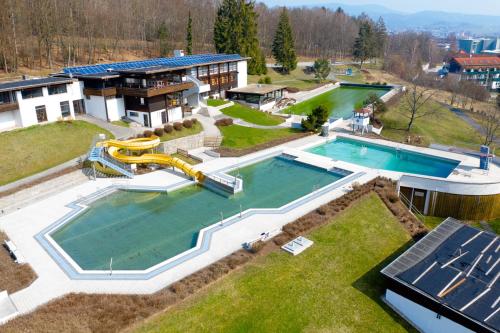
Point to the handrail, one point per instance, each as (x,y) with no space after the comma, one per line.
(411,206)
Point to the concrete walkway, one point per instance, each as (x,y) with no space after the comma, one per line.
(465,117)
(118,131)
(305,95)
(208,124)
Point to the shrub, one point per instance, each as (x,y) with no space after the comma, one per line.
(187,123)
(267,80)
(316,119)
(261,80)
(159,131)
(178,126)
(224,122)
(168,128)
(148,133)
(194,120)
(292,89)
(140,135)
(257,246)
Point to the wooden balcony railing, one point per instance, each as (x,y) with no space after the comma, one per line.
(110,91)
(150,92)
(9,106)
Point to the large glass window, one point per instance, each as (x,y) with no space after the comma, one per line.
(7,97)
(233,67)
(59,89)
(203,71)
(65,110)
(224,68)
(214,69)
(194,72)
(32,93)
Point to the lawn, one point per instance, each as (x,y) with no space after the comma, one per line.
(442,127)
(251,115)
(296,79)
(33,149)
(197,128)
(340,100)
(121,123)
(240,137)
(335,286)
(216,102)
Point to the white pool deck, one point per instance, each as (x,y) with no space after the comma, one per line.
(23,225)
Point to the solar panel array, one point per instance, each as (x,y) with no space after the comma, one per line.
(188,60)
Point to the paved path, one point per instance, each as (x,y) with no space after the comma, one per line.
(208,124)
(465,117)
(241,122)
(118,131)
(304,95)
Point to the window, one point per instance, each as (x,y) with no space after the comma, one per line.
(203,71)
(65,110)
(223,79)
(133,114)
(194,72)
(7,97)
(59,89)
(214,69)
(41,113)
(224,68)
(87,97)
(214,81)
(142,100)
(32,93)
(233,67)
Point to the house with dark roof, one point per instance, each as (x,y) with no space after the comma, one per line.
(448,281)
(484,69)
(33,101)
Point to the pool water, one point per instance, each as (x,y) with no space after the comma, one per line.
(141,229)
(386,158)
(340,101)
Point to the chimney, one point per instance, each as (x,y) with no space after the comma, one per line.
(178,53)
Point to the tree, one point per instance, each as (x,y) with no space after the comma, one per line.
(162,35)
(378,106)
(321,69)
(235,31)
(283,44)
(380,37)
(364,44)
(490,122)
(414,104)
(316,119)
(189,35)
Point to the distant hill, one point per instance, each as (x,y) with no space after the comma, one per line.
(424,20)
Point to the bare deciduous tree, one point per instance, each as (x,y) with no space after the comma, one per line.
(414,104)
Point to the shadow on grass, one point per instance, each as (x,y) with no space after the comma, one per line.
(373,285)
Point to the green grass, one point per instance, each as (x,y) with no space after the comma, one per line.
(240,137)
(356,77)
(216,102)
(121,123)
(197,128)
(186,159)
(34,149)
(296,79)
(442,127)
(432,221)
(334,286)
(251,115)
(342,100)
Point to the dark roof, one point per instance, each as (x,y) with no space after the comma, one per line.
(457,266)
(33,83)
(163,63)
(257,89)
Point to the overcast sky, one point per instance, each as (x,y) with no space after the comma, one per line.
(486,7)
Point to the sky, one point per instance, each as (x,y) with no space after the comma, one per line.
(485,7)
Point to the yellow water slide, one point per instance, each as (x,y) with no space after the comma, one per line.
(114,148)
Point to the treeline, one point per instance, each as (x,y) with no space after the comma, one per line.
(51,33)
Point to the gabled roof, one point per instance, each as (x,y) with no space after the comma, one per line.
(33,83)
(481,61)
(171,63)
(456,266)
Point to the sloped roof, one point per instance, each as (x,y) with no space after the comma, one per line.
(478,61)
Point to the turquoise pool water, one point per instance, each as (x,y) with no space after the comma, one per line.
(386,158)
(141,229)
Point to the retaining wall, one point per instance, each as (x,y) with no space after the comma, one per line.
(185,143)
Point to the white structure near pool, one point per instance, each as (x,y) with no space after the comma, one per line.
(154,229)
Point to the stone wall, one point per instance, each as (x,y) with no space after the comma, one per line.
(186,143)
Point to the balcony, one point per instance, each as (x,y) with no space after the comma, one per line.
(154,89)
(110,91)
(11,106)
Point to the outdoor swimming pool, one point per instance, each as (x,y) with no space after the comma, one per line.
(141,229)
(384,157)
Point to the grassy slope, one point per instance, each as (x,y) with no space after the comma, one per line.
(121,123)
(334,286)
(240,137)
(296,79)
(252,116)
(30,150)
(443,127)
(216,102)
(197,128)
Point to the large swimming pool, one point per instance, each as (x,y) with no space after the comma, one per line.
(141,229)
(384,157)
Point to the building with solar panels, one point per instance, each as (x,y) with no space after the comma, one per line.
(157,91)
(448,281)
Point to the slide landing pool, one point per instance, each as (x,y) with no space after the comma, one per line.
(384,157)
(141,229)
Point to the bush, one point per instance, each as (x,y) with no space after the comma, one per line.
(316,119)
(148,133)
(261,80)
(267,80)
(140,135)
(257,246)
(159,131)
(195,121)
(168,128)
(224,122)
(187,123)
(292,90)
(178,126)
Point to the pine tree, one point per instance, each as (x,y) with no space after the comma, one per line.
(235,31)
(380,36)
(162,34)
(364,44)
(283,44)
(189,35)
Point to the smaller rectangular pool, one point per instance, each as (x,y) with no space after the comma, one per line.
(384,157)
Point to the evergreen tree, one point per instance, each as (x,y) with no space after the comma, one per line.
(283,44)
(162,34)
(364,44)
(321,69)
(235,31)
(189,35)
(380,36)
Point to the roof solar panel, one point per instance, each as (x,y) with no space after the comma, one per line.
(189,60)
